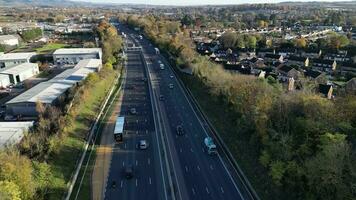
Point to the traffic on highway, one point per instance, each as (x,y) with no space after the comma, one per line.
(166,151)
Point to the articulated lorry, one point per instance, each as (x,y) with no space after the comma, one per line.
(210,146)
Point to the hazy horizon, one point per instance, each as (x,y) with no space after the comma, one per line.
(197,2)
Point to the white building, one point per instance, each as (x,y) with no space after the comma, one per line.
(4,81)
(49,92)
(12,132)
(9,40)
(21,72)
(11,59)
(72,56)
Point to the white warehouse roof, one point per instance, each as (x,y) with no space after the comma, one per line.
(12,132)
(16,56)
(70,51)
(7,37)
(47,92)
(17,69)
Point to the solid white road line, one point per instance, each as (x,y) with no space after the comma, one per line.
(149,161)
(222,190)
(186,168)
(136,182)
(150,180)
(123,163)
(193,191)
(121,184)
(198,167)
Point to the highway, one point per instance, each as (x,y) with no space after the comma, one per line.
(148,180)
(193,173)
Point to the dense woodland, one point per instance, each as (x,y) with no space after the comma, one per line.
(305,142)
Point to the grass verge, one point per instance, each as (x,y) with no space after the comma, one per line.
(85,188)
(64,161)
(51,47)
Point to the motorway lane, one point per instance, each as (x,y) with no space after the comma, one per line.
(147,180)
(205,177)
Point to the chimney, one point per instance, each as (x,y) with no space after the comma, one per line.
(291,84)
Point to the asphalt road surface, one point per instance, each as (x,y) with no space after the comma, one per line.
(194,173)
(148,171)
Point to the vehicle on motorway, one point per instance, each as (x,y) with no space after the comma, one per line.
(157,50)
(161,66)
(142,144)
(159,61)
(210,146)
(161,97)
(170,86)
(180,130)
(140,36)
(144,79)
(133,111)
(171,76)
(119,129)
(129,172)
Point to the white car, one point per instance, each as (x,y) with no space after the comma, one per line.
(170,86)
(171,76)
(142,144)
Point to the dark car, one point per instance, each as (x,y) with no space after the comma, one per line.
(161,97)
(129,172)
(180,130)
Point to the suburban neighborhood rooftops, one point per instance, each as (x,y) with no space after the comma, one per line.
(12,132)
(312,73)
(16,56)
(16,69)
(285,68)
(324,89)
(65,51)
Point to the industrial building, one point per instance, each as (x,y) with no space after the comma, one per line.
(49,92)
(11,59)
(21,72)
(9,40)
(4,81)
(13,132)
(72,56)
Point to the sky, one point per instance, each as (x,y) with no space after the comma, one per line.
(194,2)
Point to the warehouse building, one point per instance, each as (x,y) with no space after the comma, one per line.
(11,59)
(9,40)
(49,92)
(4,81)
(21,72)
(72,56)
(12,132)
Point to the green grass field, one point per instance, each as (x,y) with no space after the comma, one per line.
(64,162)
(51,47)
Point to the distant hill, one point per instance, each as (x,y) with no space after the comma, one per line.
(38,3)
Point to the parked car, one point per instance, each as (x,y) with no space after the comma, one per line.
(170,86)
(133,111)
(161,97)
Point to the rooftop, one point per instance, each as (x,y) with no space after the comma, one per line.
(77,51)
(16,56)
(12,132)
(16,69)
(7,37)
(47,92)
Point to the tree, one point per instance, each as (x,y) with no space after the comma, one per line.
(228,40)
(336,41)
(18,170)
(300,43)
(9,191)
(251,42)
(330,173)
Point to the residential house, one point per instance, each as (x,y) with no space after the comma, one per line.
(324,65)
(311,53)
(350,86)
(286,72)
(273,58)
(296,60)
(257,63)
(317,76)
(326,90)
